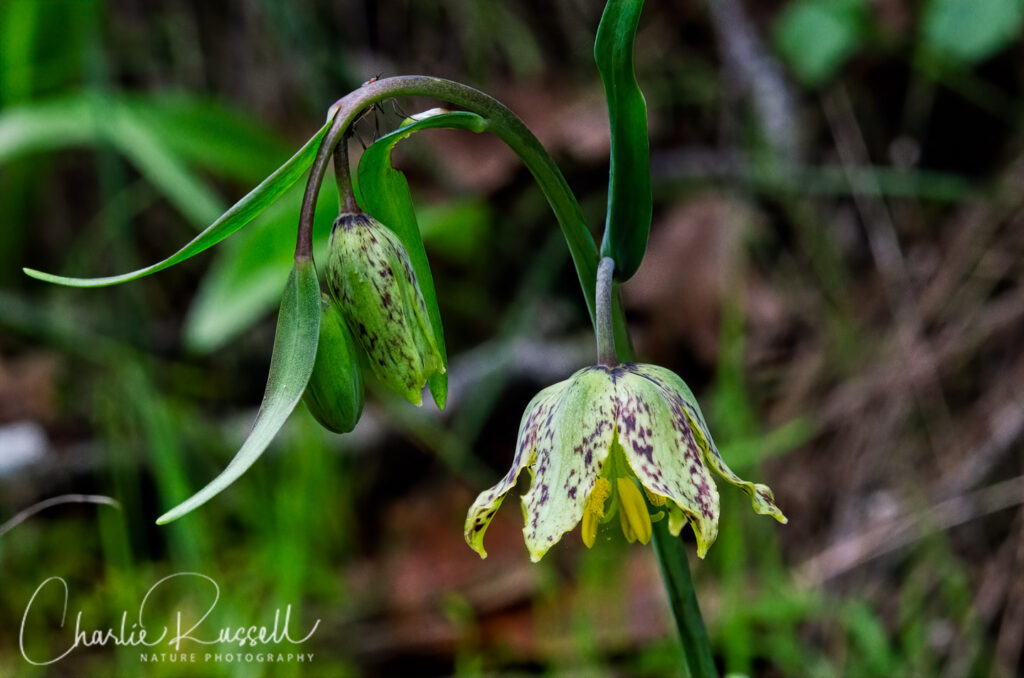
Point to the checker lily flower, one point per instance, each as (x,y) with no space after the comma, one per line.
(372,278)
(627,439)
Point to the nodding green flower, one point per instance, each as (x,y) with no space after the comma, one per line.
(371,277)
(627,440)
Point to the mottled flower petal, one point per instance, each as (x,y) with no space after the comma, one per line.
(761,496)
(591,437)
(487,503)
(571,445)
(663,453)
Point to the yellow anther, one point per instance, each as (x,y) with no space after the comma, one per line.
(634,511)
(627,530)
(593,511)
(655,499)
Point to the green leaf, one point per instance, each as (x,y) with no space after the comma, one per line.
(291,364)
(137,142)
(92,119)
(209,135)
(970,30)
(37,127)
(240,214)
(384,193)
(815,38)
(195,131)
(629,186)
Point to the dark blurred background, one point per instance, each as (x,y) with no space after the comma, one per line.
(835,267)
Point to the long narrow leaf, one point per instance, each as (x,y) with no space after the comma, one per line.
(298,327)
(384,193)
(93,119)
(229,143)
(237,216)
(629,185)
(164,169)
(37,127)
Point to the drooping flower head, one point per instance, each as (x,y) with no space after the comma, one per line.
(372,278)
(627,439)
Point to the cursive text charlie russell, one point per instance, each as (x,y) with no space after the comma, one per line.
(181,631)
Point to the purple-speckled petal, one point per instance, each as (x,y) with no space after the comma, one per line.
(661,449)
(571,446)
(487,503)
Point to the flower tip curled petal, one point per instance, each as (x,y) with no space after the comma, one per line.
(763,500)
(487,503)
(761,497)
(686,410)
(371,276)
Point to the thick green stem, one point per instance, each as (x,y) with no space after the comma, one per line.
(501,121)
(603,314)
(675,572)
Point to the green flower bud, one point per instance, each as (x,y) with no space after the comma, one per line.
(334,394)
(372,278)
(628,439)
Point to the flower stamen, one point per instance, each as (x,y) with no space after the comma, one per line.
(594,511)
(636,521)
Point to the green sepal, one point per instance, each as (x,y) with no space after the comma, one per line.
(384,192)
(291,364)
(334,394)
(629,185)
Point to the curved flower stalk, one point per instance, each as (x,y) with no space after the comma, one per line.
(598,444)
(373,281)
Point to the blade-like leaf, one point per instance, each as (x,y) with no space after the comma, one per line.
(629,185)
(298,327)
(229,143)
(92,119)
(163,168)
(384,193)
(240,214)
(193,131)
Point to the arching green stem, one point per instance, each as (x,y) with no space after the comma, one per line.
(501,121)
